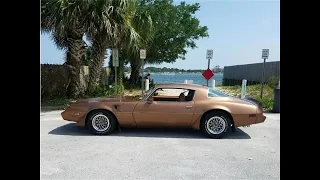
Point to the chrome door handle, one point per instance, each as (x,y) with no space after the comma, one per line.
(188,107)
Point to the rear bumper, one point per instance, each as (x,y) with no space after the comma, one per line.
(260,118)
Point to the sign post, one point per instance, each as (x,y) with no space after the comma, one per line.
(143,55)
(265,55)
(209,56)
(115,64)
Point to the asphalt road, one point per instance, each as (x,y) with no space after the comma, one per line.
(70,152)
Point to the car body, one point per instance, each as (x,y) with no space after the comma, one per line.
(185,106)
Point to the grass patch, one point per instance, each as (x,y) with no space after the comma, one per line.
(254,92)
(132,92)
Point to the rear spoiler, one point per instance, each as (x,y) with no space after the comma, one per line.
(254,101)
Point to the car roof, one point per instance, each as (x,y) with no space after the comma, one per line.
(181,85)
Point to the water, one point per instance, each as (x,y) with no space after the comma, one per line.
(179,78)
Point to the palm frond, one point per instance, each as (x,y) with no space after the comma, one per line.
(60,41)
(61,16)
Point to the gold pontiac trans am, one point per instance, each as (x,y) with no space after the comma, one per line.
(168,105)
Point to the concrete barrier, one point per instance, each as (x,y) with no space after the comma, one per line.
(213,84)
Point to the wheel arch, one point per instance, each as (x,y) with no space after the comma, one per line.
(218,110)
(100,109)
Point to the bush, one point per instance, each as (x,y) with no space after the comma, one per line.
(99,91)
(129,86)
(267,102)
(273,82)
(112,89)
(55,101)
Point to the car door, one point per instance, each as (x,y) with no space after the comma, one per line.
(163,113)
(180,114)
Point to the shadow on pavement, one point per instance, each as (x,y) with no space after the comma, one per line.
(73,130)
(70,129)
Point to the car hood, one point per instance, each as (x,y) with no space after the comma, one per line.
(107,99)
(92,100)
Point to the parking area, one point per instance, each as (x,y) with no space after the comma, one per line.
(70,152)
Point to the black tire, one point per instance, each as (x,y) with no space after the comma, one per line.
(110,127)
(226,125)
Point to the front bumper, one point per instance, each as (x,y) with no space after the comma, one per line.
(77,115)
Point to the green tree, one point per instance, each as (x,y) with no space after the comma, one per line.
(175,29)
(171,70)
(110,26)
(63,19)
(217,69)
(143,25)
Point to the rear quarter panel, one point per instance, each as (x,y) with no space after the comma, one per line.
(242,113)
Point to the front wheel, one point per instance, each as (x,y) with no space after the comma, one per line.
(216,124)
(101,122)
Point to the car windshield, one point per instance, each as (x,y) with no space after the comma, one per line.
(215,93)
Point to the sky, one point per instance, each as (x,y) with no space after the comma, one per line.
(238,31)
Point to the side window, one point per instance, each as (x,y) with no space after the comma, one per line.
(168,92)
(174,95)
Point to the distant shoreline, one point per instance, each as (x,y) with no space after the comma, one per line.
(176,73)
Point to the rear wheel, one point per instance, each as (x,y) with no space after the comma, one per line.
(216,124)
(101,122)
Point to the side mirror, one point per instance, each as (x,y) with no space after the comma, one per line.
(150,100)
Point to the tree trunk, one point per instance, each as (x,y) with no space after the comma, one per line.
(99,47)
(76,49)
(135,73)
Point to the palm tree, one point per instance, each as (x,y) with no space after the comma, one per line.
(111,26)
(143,24)
(85,60)
(64,20)
(107,23)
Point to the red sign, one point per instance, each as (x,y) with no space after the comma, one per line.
(207,74)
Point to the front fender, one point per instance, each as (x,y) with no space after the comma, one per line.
(100,107)
(87,108)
